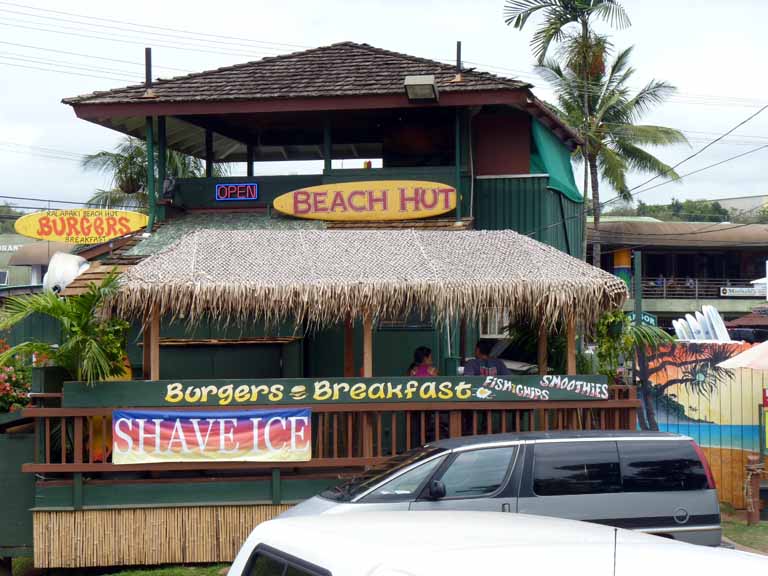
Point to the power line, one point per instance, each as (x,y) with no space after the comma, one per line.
(133,42)
(124,22)
(699,151)
(24,58)
(92,56)
(61,71)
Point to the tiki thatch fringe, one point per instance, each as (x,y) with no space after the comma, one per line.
(319,277)
(145,536)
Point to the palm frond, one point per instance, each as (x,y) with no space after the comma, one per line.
(613,169)
(642,161)
(612,12)
(138,201)
(17,308)
(646,134)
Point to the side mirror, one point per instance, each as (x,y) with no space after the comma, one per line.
(436,490)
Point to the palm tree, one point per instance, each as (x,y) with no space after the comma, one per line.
(559,15)
(127,167)
(614,140)
(92,344)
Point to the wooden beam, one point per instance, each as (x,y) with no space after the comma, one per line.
(249,159)
(146,358)
(349,348)
(367,345)
(570,335)
(542,351)
(154,345)
(209,155)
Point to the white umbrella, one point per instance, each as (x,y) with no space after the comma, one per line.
(755,358)
(759,281)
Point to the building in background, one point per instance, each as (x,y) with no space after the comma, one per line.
(688,264)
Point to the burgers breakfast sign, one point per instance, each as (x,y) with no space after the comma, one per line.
(80,226)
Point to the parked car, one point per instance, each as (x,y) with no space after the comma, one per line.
(652,482)
(468,543)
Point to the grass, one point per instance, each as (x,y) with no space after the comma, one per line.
(23,567)
(751,536)
(174,571)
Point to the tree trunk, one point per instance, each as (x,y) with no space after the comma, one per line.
(585,131)
(595,210)
(647,391)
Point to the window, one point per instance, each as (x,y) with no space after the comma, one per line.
(405,486)
(3,277)
(562,469)
(661,465)
(267,561)
(477,472)
(378,474)
(494,324)
(416,320)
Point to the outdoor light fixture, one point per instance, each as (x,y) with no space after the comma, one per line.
(421,88)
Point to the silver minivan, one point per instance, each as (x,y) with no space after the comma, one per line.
(648,481)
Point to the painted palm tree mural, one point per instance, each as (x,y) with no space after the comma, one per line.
(692,367)
(685,391)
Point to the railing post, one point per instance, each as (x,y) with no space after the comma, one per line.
(454,424)
(696,289)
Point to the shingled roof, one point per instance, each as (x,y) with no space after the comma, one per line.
(343,69)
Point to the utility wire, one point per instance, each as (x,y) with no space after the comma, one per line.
(216,36)
(93,56)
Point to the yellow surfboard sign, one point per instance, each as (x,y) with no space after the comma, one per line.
(80,226)
(370,200)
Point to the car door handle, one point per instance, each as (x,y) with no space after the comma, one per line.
(505,507)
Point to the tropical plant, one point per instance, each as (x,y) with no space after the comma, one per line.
(558,16)
(93,343)
(127,169)
(614,140)
(619,340)
(15,381)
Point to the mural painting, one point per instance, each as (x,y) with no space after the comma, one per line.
(685,391)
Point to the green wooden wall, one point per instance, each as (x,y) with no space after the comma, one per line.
(18,490)
(527,206)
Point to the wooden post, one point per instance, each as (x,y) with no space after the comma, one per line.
(154,345)
(146,358)
(367,373)
(349,348)
(249,159)
(209,154)
(542,350)
(570,335)
(367,345)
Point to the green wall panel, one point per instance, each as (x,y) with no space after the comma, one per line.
(18,491)
(527,206)
(35,327)
(200,192)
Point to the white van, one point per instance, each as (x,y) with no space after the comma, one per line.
(468,544)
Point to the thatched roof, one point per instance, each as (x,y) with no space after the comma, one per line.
(321,276)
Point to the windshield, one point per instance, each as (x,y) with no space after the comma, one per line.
(371,477)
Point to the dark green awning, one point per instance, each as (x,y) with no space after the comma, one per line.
(551,156)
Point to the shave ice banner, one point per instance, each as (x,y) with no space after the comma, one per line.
(147,436)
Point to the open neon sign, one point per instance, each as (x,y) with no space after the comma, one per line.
(237,192)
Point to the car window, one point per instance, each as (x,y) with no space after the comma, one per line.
(576,468)
(661,466)
(379,473)
(268,561)
(405,486)
(477,472)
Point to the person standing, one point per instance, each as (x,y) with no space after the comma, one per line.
(482,364)
(422,363)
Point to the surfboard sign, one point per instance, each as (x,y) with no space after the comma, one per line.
(80,226)
(369,201)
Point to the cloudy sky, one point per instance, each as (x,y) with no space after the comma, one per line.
(713,52)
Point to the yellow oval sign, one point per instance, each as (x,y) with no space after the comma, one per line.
(370,200)
(80,226)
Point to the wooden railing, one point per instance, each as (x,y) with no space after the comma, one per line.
(343,436)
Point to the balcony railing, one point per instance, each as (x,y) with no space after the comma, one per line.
(345,438)
(699,288)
